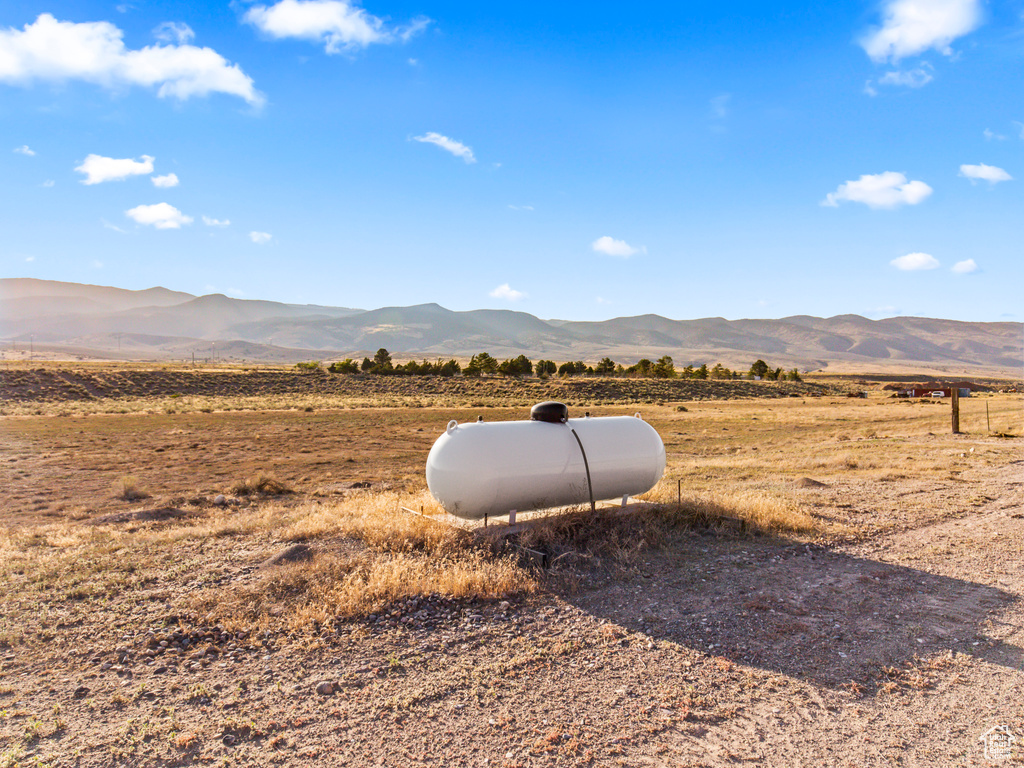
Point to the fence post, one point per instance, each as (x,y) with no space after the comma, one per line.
(955,395)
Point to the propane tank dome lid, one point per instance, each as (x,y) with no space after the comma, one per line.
(550,411)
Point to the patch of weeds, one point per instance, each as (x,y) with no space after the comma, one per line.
(260,484)
(128,488)
(12,756)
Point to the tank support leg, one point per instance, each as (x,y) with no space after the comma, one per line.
(625,499)
(512,517)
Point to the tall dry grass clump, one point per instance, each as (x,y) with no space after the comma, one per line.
(364,555)
(261,483)
(334,586)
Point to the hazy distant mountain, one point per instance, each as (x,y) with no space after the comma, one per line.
(58,312)
(28,297)
(160,323)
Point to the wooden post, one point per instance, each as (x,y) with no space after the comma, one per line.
(954,393)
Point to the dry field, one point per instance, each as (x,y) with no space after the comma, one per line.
(820,580)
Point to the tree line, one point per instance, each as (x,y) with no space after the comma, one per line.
(480,364)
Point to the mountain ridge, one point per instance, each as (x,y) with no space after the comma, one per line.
(89,317)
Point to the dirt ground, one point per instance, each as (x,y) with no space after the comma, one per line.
(894,636)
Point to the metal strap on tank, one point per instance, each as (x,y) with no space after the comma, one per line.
(586,466)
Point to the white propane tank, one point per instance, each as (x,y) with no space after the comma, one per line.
(491,468)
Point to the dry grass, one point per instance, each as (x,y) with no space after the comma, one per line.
(313,594)
(261,483)
(127,488)
(367,555)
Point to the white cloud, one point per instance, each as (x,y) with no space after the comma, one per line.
(98,169)
(260,238)
(54,50)
(161,216)
(24,150)
(174,32)
(911,27)
(1020,127)
(613,247)
(913,78)
(913,262)
(989,135)
(457,148)
(965,267)
(982,172)
(216,222)
(413,28)
(48,183)
(97,264)
(107,225)
(235,291)
(881,190)
(521,207)
(507,292)
(338,24)
(720,106)
(170,180)
(30,259)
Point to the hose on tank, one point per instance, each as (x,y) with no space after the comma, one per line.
(586,466)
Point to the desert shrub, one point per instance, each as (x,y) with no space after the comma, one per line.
(260,484)
(312,365)
(128,488)
(348,365)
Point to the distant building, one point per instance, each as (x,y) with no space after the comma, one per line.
(931,388)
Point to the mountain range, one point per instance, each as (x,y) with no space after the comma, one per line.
(89,321)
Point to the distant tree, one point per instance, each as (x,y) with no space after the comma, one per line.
(687,372)
(412,368)
(449,369)
(487,363)
(366,365)
(664,368)
(576,368)
(545,368)
(348,365)
(759,369)
(382,361)
(702,372)
(518,366)
(606,367)
(719,371)
(794,375)
(643,368)
(312,365)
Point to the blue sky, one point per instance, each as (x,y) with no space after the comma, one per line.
(580,162)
